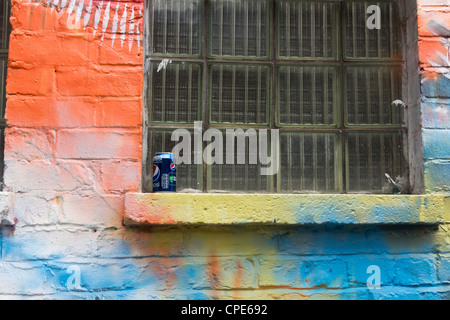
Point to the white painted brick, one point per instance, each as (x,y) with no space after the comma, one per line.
(6,216)
(36,208)
(96,210)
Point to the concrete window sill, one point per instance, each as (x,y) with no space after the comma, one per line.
(285,209)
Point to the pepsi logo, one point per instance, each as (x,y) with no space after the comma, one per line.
(156,173)
(172,166)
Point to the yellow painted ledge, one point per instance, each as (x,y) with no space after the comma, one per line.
(286,209)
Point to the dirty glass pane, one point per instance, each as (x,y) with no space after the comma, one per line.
(371,92)
(373,155)
(174,91)
(364,42)
(5,27)
(240,28)
(308,162)
(2,152)
(176,26)
(307,95)
(341,125)
(240,93)
(241,168)
(307,29)
(189,176)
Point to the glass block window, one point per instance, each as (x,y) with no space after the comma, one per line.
(5,30)
(312,70)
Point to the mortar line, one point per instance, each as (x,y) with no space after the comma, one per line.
(1,242)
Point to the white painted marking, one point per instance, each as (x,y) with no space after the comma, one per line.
(114,26)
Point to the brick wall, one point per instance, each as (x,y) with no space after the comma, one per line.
(73,149)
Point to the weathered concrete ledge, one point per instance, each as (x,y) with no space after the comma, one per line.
(6,217)
(287,209)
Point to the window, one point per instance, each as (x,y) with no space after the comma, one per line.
(5,30)
(313,70)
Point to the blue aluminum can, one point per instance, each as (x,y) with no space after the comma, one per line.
(164,172)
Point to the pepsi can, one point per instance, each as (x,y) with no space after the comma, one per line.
(164,172)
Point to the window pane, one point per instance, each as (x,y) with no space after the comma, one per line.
(307,95)
(371,156)
(189,176)
(362,42)
(176,26)
(5,28)
(240,28)
(244,174)
(307,29)
(240,93)
(2,153)
(371,91)
(308,162)
(175,92)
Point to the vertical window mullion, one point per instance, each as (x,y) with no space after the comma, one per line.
(240,85)
(324,15)
(313,30)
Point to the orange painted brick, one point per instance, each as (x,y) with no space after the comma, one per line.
(118,112)
(106,81)
(98,144)
(432,52)
(50,112)
(32,16)
(121,176)
(52,49)
(35,81)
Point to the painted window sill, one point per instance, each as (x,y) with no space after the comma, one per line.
(282,209)
(6,217)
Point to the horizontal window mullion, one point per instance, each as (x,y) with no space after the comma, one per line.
(174,92)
